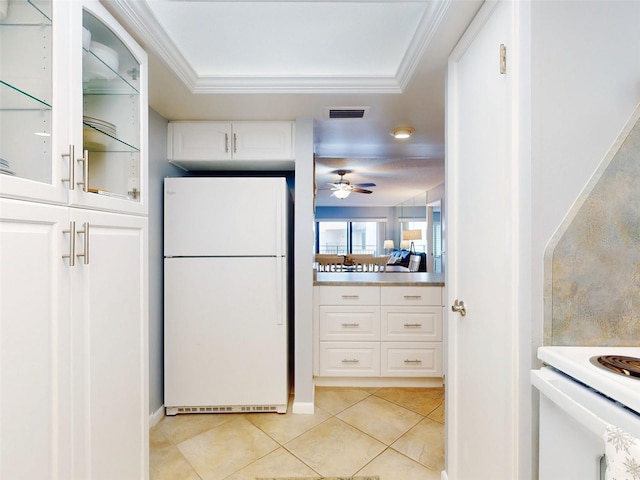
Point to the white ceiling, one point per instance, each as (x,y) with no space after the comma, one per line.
(262,60)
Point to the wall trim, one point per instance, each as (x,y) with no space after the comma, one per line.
(306,408)
(156,417)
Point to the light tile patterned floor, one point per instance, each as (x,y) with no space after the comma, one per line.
(395,433)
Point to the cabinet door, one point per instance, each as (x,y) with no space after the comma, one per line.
(109,315)
(109,113)
(194,141)
(34,107)
(34,342)
(263,141)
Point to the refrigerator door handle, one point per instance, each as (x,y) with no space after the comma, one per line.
(280,289)
(279,225)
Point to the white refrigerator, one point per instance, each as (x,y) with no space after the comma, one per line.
(225,294)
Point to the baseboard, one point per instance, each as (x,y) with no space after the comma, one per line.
(306,408)
(379,382)
(156,416)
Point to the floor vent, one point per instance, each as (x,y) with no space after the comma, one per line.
(347,112)
(222,409)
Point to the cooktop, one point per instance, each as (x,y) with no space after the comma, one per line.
(620,364)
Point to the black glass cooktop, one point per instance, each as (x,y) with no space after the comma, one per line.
(627,366)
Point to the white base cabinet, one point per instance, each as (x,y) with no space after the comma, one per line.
(383,332)
(207,146)
(73,338)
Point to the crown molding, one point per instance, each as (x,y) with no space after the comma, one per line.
(141,19)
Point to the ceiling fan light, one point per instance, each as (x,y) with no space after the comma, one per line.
(402,132)
(342,193)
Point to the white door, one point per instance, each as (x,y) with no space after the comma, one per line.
(109,315)
(482,263)
(34,342)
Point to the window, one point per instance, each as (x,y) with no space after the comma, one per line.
(345,237)
(419,245)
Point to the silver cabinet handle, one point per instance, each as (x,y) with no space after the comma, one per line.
(414,362)
(235,143)
(413,297)
(85,233)
(412,325)
(72,244)
(71,178)
(458,307)
(85,171)
(350,325)
(352,360)
(350,297)
(603,466)
(226,143)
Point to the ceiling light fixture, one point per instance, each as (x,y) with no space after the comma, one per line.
(402,132)
(342,193)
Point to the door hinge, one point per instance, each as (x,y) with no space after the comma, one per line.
(503,59)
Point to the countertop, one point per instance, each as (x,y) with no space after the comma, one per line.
(409,279)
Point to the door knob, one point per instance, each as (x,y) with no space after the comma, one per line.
(458,306)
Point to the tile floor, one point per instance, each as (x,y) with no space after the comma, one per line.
(395,433)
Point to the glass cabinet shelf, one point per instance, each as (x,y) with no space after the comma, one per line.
(95,140)
(12,98)
(28,13)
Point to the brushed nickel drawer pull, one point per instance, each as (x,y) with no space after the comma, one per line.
(350,297)
(413,297)
(350,325)
(72,244)
(352,360)
(415,362)
(412,325)
(85,171)
(71,177)
(85,233)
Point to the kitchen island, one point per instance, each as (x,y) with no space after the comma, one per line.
(378,329)
(414,279)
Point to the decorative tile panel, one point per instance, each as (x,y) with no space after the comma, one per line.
(593,295)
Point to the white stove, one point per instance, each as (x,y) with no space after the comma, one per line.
(576,362)
(579,398)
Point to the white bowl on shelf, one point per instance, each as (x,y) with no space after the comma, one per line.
(93,139)
(101,63)
(86,38)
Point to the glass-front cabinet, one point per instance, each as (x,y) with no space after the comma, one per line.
(73,107)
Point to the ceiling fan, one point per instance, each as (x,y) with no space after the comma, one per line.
(343,188)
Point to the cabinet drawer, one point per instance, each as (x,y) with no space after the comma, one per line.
(411,359)
(349,323)
(348,359)
(416,324)
(411,296)
(347,295)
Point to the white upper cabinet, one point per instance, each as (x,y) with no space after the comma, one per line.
(231,145)
(73,107)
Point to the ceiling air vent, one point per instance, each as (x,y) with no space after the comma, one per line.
(348,112)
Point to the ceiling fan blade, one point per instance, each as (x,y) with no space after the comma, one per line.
(364,185)
(361,190)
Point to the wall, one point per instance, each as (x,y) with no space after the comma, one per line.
(584,88)
(159,168)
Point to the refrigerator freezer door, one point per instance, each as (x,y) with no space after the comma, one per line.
(225,332)
(205,216)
